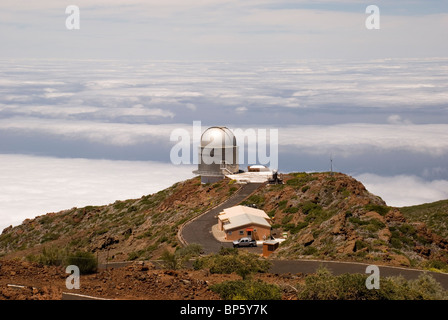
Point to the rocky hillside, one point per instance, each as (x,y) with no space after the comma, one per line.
(434,215)
(333,216)
(125,230)
(325,216)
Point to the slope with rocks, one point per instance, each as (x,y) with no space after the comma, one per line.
(125,230)
(434,215)
(333,216)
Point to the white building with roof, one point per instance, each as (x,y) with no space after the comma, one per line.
(242,221)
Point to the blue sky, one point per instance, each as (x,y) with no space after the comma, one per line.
(79,107)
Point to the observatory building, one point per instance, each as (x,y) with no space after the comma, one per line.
(218,155)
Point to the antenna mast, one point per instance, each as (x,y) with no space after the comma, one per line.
(331,164)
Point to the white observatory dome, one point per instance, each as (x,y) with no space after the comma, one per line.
(218,137)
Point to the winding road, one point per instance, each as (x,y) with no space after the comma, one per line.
(199,229)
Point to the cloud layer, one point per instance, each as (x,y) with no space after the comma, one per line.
(402,190)
(32,186)
(355,138)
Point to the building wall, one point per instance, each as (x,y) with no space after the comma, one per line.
(268,249)
(211,179)
(241,233)
(212,164)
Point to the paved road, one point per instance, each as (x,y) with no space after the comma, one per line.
(310,266)
(199,230)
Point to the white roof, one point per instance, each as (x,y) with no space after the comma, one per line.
(238,210)
(239,216)
(271,241)
(255,177)
(245,219)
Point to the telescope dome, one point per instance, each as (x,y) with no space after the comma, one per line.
(217,154)
(218,137)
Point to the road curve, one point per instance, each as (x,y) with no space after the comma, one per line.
(199,230)
(337,268)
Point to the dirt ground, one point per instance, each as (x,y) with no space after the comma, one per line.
(139,281)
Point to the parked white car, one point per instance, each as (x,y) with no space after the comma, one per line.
(244,242)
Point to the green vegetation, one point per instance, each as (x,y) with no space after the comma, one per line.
(54,256)
(436,266)
(407,229)
(300,226)
(402,236)
(190,251)
(291,210)
(227,251)
(46,220)
(315,214)
(232,190)
(294,228)
(286,219)
(375,225)
(357,221)
(310,207)
(256,200)
(371,225)
(360,245)
(382,210)
(434,215)
(134,255)
(225,262)
(325,286)
(282,204)
(85,261)
(345,193)
(176,260)
(171,260)
(247,290)
(119,205)
(50,256)
(49,236)
(309,251)
(300,179)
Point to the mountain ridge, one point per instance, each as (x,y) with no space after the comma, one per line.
(325,215)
